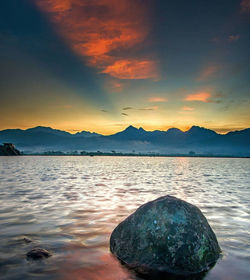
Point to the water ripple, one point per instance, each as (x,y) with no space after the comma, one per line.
(70,205)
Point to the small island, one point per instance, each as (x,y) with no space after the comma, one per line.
(8,149)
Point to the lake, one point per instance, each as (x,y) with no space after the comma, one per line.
(70,205)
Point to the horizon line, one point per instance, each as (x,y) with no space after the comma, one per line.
(139,127)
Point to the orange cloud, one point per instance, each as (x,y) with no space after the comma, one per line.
(100,31)
(207,72)
(157,99)
(245,6)
(132,69)
(200,96)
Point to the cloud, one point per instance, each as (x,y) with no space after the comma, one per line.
(245,6)
(101,31)
(104,111)
(204,96)
(124,114)
(115,86)
(200,96)
(127,108)
(148,108)
(157,99)
(186,108)
(153,108)
(132,69)
(216,98)
(207,72)
(233,38)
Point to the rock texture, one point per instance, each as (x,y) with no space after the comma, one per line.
(166,235)
(8,149)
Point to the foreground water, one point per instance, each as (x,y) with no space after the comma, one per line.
(70,205)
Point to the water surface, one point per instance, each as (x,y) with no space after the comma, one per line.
(70,205)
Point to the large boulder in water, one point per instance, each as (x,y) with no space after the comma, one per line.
(166,235)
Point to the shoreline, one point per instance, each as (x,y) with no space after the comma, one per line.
(138,155)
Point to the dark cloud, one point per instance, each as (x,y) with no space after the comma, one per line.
(124,114)
(216,98)
(148,108)
(104,111)
(153,108)
(127,108)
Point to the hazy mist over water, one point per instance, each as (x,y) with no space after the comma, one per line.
(70,205)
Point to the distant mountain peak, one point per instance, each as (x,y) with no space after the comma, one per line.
(197,133)
(199,129)
(43,128)
(198,139)
(40,127)
(47,129)
(133,129)
(174,129)
(196,127)
(130,127)
(87,134)
(131,132)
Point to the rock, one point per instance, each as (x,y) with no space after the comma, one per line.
(166,235)
(38,253)
(8,149)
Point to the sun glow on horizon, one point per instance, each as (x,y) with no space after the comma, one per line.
(102,65)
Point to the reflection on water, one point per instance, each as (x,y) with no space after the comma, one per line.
(70,205)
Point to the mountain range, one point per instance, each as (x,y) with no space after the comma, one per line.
(197,139)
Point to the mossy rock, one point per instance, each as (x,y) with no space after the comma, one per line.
(166,235)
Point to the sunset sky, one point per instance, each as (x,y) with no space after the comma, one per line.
(101,65)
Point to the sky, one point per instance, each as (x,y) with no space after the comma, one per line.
(102,65)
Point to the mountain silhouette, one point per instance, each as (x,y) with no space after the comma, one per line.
(198,139)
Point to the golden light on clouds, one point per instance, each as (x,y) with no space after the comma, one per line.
(132,69)
(157,99)
(101,30)
(199,96)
